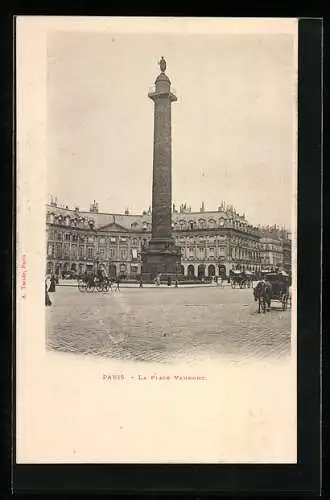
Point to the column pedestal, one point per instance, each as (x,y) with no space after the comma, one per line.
(162,258)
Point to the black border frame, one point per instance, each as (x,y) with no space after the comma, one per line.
(303,478)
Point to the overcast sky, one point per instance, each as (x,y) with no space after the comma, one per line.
(232,126)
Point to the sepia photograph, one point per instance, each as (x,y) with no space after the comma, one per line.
(156,240)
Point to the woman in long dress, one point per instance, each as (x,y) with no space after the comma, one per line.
(52,287)
(48,302)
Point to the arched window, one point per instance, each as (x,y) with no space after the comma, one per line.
(212,223)
(211,270)
(191,270)
(201,271)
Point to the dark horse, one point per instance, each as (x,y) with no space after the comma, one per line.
(263,293)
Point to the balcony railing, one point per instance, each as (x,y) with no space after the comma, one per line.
(152,90)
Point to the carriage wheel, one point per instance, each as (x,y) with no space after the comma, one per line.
(99,286)
(90,287)
(105,287)
(82,286)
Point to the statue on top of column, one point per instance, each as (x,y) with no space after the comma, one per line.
(162,64)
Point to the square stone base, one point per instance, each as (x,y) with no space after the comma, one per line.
(161,258)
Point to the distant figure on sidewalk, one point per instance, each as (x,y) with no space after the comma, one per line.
(47,299)
(117,289)
(52,287)
(141,283)
(176,284)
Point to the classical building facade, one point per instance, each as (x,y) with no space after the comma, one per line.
(212,242)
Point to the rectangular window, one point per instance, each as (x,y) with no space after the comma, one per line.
(102,241)
(67,237)
(81,252)
(112,253)
(134,253)
(66,249)
(123,254)
(101,252)
(74,251)
(90,252)
(59,250)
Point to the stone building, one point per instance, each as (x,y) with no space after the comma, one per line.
(211,242)
(276,248)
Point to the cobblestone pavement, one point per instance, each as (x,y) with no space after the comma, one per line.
(164,325)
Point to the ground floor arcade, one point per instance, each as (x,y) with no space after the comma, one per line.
(132,269)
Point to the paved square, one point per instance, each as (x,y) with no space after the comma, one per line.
(166,324)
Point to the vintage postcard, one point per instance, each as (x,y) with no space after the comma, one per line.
(156,240)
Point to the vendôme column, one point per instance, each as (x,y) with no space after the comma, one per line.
(162,257)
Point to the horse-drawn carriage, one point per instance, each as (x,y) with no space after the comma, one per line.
(242,279)
(274,287)
(92,282)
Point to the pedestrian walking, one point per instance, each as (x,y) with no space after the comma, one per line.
(52,287)
(176,284)
(117,289)
(141,283)
(48,302)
